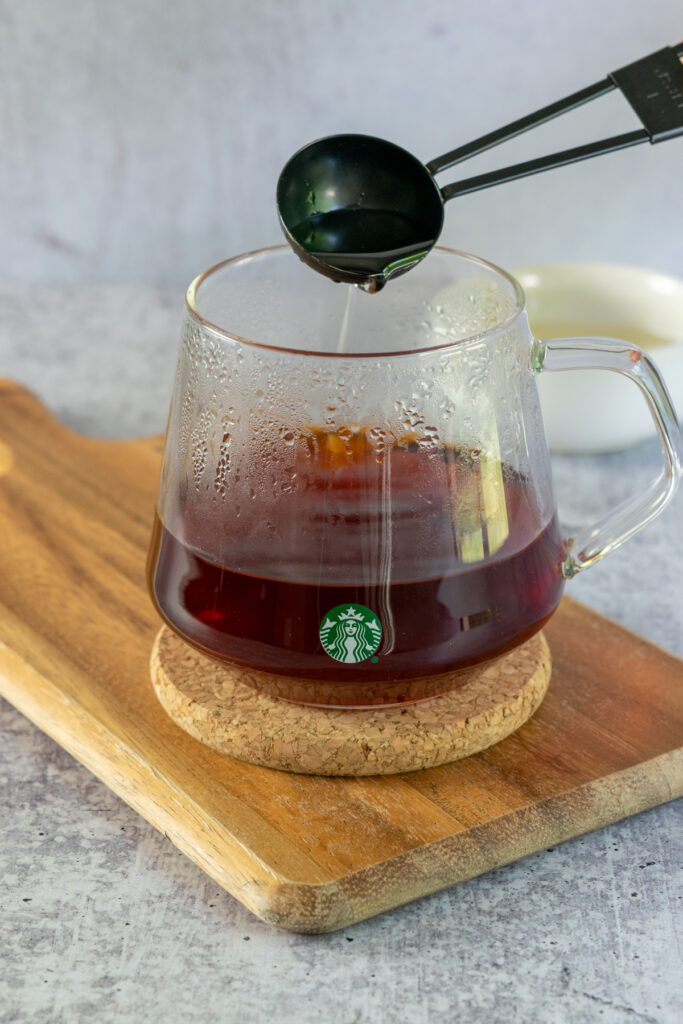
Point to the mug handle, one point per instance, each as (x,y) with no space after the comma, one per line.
(608,533)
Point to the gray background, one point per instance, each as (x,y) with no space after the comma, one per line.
(137,139)
(142,139)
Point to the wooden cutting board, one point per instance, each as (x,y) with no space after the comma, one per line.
(306,853)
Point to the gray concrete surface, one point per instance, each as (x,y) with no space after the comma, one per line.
(102,919)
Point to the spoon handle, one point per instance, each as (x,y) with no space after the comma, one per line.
(652,85)
(523,124)
(544,163)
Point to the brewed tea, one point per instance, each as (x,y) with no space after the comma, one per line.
(438,546)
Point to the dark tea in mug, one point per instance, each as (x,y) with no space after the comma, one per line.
(392,571)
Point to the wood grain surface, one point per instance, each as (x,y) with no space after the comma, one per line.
(307,853)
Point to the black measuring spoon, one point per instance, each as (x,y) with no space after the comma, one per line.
(359,209)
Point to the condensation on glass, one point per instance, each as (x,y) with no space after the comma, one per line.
(338,463)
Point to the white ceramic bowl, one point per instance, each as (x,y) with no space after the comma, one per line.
(595,410)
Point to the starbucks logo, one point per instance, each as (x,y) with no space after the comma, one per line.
(350,633)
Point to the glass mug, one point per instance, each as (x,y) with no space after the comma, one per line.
(356,501)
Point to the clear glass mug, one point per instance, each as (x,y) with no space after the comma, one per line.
(356,499)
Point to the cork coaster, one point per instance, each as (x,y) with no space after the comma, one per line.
(209,701)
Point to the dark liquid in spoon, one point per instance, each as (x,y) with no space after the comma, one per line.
(371,243)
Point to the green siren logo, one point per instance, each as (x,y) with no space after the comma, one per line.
(350,633)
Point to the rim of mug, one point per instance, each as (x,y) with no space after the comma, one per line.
(222,332)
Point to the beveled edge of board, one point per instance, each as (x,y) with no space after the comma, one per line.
(329,905)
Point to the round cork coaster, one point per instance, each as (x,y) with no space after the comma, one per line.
(207,700)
